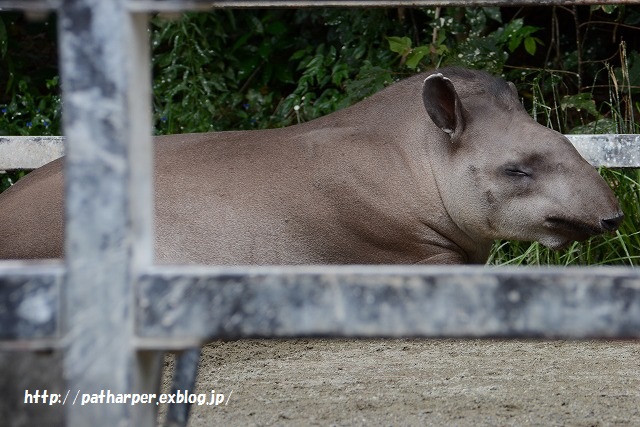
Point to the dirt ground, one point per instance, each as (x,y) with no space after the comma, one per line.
(381,383)
(420,382)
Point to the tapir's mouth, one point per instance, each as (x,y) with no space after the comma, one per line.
(571,229)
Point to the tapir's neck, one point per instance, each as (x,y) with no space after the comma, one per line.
(472,249)
(392,189)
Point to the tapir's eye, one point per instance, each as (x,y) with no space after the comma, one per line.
(515,171)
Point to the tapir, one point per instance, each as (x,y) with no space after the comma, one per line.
(431,170)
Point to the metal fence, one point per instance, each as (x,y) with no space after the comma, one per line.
(113,313)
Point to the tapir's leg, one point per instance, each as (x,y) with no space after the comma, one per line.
(450,258)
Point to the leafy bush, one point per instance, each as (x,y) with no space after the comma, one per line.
(259,69)
(30,102)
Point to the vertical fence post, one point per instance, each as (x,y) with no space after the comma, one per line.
(105,68)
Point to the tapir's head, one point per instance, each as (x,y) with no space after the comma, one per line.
(501,175)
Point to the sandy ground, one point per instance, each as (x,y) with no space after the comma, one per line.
(420,382)
(381,383)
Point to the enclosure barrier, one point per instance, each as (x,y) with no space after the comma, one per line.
(607,150)
(114,313)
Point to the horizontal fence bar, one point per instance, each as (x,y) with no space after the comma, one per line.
(180,5)
(181,307)
(610,150)
(177,5)
(29,152)
(189,306)
(30,304)
(29,5)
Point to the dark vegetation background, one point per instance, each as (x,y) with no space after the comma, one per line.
(577,70)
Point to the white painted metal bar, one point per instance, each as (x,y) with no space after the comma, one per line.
(30,304)
(197,305)
(105,73)
(608,150)
(612,151)
(29,152)
(30,5)
(182,307)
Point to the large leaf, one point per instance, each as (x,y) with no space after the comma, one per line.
(416,55)
(400,45)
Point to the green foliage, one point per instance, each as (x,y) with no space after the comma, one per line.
(4,41)
(515,34)
(466,37)
(10,178)
(29,101)
(258,69)
(409,55)
(210,70)
(29,113)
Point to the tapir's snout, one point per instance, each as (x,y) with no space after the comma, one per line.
(591,211)
(612,223)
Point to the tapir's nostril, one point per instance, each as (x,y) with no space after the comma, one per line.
(612,224)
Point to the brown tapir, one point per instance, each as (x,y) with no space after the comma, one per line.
(430,170)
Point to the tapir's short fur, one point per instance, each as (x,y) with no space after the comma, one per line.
(430,170)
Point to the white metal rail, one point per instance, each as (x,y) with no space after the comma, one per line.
(608,150)
(113,312)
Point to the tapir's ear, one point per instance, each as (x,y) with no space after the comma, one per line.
(443,104)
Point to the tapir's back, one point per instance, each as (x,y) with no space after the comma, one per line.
(299,195)
(309,193)
(32,215)
(208,186)
(263,197)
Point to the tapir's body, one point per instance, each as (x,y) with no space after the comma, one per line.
(427,172)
